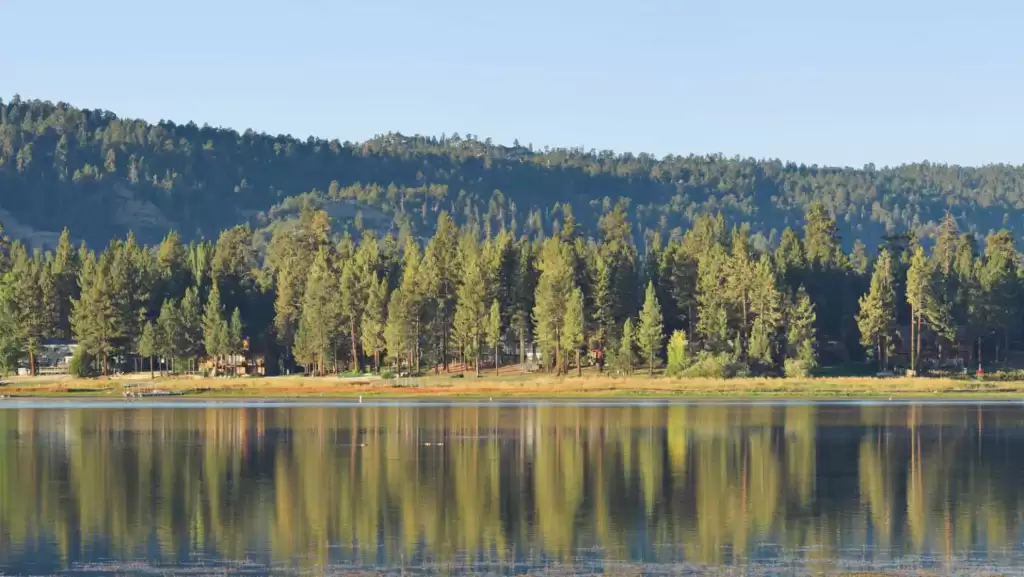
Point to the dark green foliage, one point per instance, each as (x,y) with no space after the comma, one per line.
(752,263)
(82,364)
(710,365)
(650,333)
(100,174)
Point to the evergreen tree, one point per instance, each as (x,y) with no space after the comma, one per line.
(553,290)
(821,237)
(919,298)
(1000,286)
(304,349)
(32,302)
(287,307)
(790,254)
(374,319)
(94,318)
(442,269)
(353,300)
(859,258)
(471,310)
(172,268)
(968,298)
(945,251)
(650,332)
(65,269)
(129,269)
(236,338)
(604,306)
(739,289)
(712,314)
(191,335)
(10,339)
(801,335)
(400,331)
(60,158)
(524,297)
(215,328)
(626,357)
(413,292)
(877,316)
(147,345)
(572,331)
(620,255)
(320,323)
(170,333)
(358,278)
(766,307)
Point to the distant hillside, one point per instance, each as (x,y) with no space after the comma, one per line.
(101,175)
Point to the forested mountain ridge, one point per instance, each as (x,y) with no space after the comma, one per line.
(101,176)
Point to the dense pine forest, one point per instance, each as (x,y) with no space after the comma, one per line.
(102,176)
(409,253)
(706,302)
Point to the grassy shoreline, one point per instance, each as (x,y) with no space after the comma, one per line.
(512,386)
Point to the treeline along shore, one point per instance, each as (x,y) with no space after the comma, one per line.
(704,302)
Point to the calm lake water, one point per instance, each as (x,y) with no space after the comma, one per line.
(503,488)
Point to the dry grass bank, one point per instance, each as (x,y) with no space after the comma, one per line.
(535,385)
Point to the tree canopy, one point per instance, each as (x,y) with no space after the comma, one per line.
(102,175)
(424,251)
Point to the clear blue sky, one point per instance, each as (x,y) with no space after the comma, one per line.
(883,81)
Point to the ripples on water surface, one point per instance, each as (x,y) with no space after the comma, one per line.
(508,488)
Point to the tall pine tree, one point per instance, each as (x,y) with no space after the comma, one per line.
(877,316)
(650,332)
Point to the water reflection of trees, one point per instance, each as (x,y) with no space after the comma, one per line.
(704,483)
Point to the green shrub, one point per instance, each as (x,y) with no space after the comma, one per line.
(716,366)
(678,359)
(387,375)
(1004,375)
(81,364)
(797,369)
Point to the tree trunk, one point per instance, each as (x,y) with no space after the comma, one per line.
(478,356)
(444,343)
(912,349)
(355,347)
(745,335)
(579,366)
(881,359)
(416,347)
(917,355)
(496,363)
(689,322)
(650,365)
(31,361)
(558,355)
(522,351)
(152,374)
